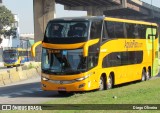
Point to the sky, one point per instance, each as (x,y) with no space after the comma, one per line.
(24,10)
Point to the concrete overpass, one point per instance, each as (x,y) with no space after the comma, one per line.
(44,10)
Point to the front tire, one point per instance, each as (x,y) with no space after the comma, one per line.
(102,83)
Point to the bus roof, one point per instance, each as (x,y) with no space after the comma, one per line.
(83,18)
(90,18)
(129,21)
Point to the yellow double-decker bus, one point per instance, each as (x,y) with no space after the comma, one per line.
(88,53)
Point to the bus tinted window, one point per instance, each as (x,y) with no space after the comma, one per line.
(119,30)
(96,29)
(114,30)
(122,58)
(140,31)
(93,56)
(110,29)
(67,29)
(132,30)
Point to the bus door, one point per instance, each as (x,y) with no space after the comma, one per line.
(152,46)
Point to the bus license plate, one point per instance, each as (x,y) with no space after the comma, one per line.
(61,88)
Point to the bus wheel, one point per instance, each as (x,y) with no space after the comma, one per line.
(143,75)
(101,83)
(148,75)
(8,66)
(109,82)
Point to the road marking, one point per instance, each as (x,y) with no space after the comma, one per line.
(27,91)
(23,92)
(37,89)
(16,93)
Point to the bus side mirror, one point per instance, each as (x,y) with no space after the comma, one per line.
(33,48)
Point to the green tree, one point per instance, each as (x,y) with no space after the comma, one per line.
(6,23)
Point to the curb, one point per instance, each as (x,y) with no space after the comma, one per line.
(19,74)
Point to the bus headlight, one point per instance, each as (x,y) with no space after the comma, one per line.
(83,78)
(45,79)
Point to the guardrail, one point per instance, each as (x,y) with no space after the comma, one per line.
(27,71)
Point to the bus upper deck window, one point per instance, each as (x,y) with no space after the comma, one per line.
(77,30)
(56,30)
(96,29)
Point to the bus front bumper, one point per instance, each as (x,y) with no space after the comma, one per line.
(84,85)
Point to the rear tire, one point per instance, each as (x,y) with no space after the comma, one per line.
(143,78)
(109,82)
(148,75)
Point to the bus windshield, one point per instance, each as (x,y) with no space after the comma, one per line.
(67,29)
(12,55)
(63,62)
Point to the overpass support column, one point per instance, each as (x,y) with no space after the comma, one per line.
(94,11)
(124,3)
(44,10)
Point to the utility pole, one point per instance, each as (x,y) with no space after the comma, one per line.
(152,9)
(0,3)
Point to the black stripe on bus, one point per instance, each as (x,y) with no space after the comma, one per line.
(122,58)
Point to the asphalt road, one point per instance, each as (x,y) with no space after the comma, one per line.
(28,92)
(25,92)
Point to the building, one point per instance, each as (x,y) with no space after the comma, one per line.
(0,2)
(26,40)
(12,41)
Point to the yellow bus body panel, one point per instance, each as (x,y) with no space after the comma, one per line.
(122,74)
(91,83)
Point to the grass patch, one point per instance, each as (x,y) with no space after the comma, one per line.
(136,93)
(30,66)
